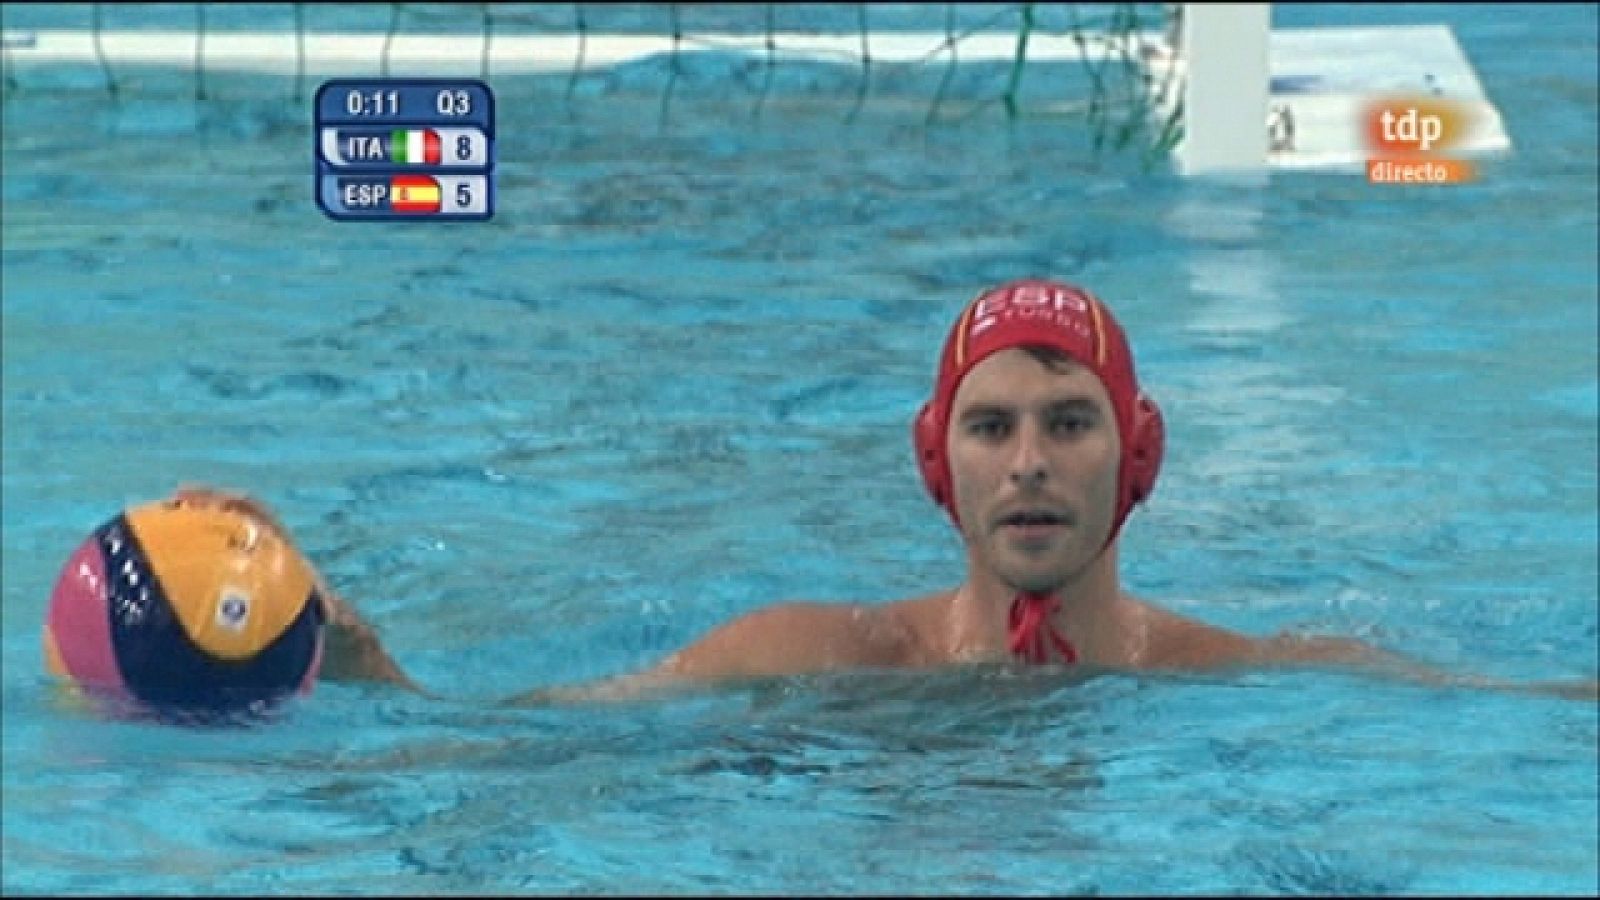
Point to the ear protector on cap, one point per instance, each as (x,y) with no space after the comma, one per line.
(1145,447)
(930,455)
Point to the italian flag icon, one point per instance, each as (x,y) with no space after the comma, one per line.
(416,147)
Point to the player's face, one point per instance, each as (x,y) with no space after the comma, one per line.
(1033,451)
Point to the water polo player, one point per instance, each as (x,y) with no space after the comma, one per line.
(1038,443)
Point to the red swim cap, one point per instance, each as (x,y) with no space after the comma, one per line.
(1050,314)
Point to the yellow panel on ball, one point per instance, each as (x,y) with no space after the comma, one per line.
(233,609)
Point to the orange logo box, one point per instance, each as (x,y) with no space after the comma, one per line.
(1408,139)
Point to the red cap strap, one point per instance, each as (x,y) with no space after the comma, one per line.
(1030,625)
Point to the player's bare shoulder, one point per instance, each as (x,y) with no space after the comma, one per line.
(916,630)
(1179,642)
(1173,641)
(881,635)
(794,637)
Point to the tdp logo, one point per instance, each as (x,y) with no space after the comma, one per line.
(1407,137)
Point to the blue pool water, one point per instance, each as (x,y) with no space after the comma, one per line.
(672,382)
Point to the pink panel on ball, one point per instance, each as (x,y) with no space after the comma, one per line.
(80,622)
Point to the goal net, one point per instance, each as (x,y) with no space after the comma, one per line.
(935,65)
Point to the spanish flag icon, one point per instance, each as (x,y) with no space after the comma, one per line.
(414,194)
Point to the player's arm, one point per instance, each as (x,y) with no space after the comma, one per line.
(1287,649)
(351,650)
(779,640)
(1184,643)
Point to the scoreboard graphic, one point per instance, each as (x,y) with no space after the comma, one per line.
(413,149)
